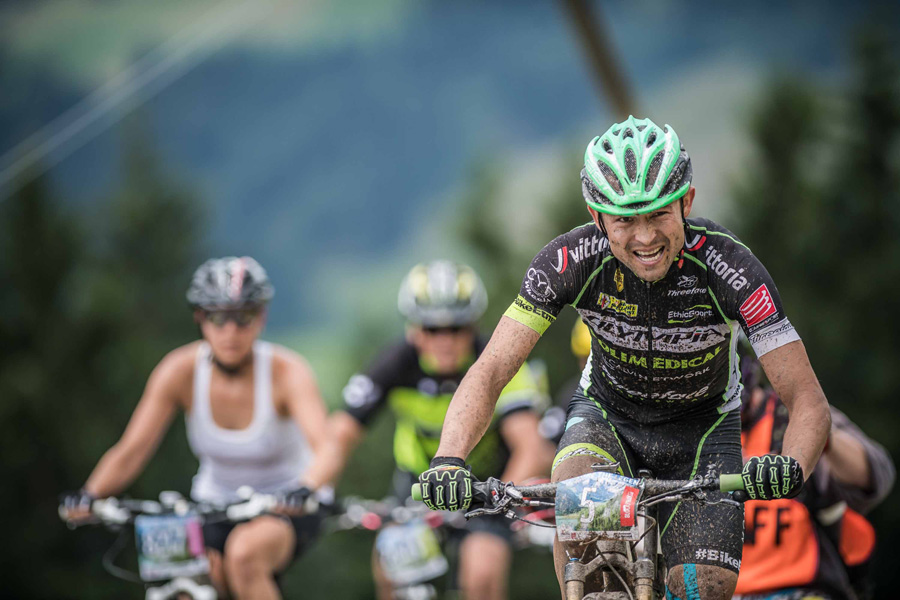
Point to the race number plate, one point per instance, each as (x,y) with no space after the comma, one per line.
(597,504)
(410,553)
(169,546)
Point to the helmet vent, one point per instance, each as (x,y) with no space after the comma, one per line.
(630,164)
(611,178)
(677,178)
(651,139)
(589,190)
(653,171)
(641,127)
(629,133)
(607,147)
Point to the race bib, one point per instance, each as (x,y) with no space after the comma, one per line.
(410,553)
(169,546)
(595,504)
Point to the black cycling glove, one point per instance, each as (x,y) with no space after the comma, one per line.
(295,500)
(772,476)
(76,500)
(447,484)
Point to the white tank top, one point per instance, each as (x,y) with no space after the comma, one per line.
(270,455)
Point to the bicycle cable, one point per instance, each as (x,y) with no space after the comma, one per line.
(616,573)
(110,555)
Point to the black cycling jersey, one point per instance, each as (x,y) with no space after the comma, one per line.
(665,349)
(419,400)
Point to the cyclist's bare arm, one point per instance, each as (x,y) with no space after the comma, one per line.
(344,434)
(795,383)
(473,403)
(530,454)
(161,399)
(848,460)
(302,400)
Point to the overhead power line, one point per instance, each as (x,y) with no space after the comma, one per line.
(132,87)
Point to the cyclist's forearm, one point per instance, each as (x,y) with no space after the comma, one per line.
(343,436)
(470,412)
(808,428)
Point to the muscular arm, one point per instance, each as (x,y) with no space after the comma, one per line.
(473,403)
(530,455)
(790,373)
(122,463)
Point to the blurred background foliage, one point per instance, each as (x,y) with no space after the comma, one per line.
(92,298)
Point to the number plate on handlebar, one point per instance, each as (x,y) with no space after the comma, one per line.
(410,553)
(597,504)
(170,546)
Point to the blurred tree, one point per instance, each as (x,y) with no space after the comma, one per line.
(821,211)
(89,307)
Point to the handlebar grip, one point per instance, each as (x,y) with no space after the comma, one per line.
(416,492)
(732,482)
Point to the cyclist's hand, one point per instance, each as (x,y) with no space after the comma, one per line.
(772,476)
(447,484)
(292,502)
(76,506)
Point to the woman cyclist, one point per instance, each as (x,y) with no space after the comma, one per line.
(254,416)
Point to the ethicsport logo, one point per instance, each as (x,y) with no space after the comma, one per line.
(538,285)
(758,306)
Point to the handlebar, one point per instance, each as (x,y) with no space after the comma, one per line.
(730,482)
(114,511)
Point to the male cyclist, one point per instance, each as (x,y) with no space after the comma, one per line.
(416,377)
(664,297)
(253,413)
(818,545)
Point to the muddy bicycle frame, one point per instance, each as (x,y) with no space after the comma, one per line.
(629,570)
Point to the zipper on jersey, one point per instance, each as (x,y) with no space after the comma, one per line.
(649,341)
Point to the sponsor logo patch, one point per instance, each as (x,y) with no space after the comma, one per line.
(687,281)
(758,306)
(619,279)
(626,511)
(708,554)
(733,277)
(618,305)
(525,305)
(538,285)
(562,260)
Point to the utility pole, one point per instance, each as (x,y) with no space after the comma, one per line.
(596,43)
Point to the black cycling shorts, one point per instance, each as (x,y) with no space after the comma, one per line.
(692,533)
(306,530)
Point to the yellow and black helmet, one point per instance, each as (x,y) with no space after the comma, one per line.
(442,293)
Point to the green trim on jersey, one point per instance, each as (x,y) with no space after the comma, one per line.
(529,315)
(708,232)
(591,278)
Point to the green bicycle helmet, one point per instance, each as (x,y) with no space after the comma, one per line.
(634,168)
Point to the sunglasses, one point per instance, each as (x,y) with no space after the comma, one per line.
(241,318)
(455,329)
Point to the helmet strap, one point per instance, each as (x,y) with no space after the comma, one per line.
(684,224)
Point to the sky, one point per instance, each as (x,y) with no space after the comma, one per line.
(336,138)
